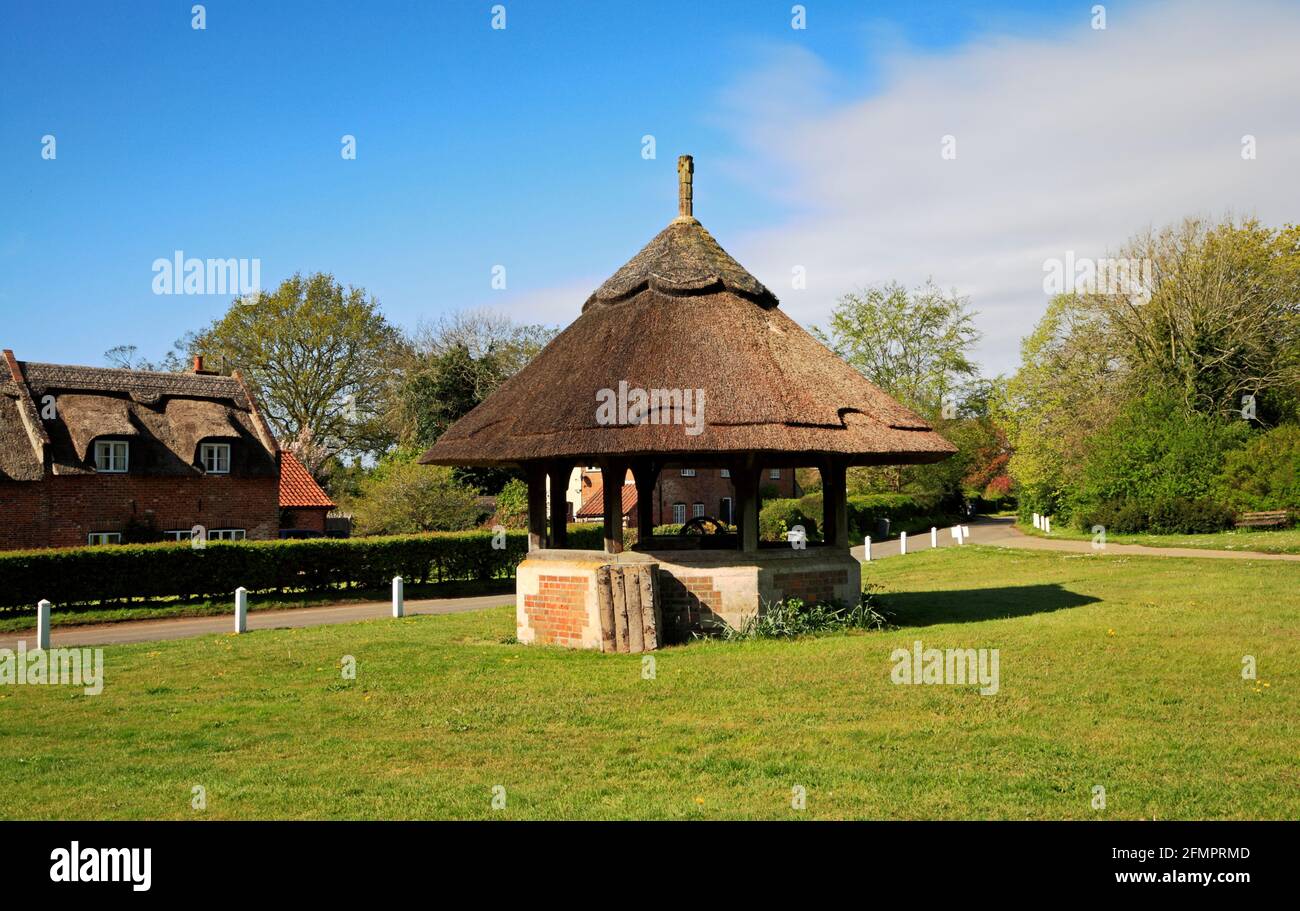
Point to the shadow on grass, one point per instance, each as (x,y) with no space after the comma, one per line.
(969,605)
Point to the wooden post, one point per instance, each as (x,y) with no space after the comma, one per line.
(745,480)
(43,625)
(241,610)
(399,599)
(613,472)
(558,473)
(646,474)
(536,507)
(835,512)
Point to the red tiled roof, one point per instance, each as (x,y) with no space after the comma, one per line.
(593,507)
(298,489)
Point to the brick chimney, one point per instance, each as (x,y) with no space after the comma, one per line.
(199,368)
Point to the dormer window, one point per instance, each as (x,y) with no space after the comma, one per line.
(111,456)
(215,458)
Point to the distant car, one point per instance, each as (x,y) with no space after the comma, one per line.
(300,533)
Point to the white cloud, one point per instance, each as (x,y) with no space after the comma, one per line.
(1069,142)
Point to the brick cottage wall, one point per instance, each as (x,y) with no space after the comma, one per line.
(557,614)
(306,519)
(62,511)
(707,487)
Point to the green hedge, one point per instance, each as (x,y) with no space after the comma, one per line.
(87,575)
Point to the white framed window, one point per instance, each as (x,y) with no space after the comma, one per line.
(697,510)
(111,456)
(726,472)
(104,537)
(688,472)
(183,534)
(225,534)
(679,513)
(215,457)
(725,510)
(774,474)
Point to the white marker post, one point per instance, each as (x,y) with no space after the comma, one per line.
(399,604)
(902,542)
(1047,524)
(241,610)
(868,546)
(43,625)
(934,536)
(965,533)
(1037,523)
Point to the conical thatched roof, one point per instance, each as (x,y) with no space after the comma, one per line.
(684,315)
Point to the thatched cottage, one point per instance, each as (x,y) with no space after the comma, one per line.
(92,455)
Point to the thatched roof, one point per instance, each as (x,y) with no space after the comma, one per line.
(683,315)
(165,415)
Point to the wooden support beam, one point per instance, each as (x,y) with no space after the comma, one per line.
(646,474)
(745,479)
(536,474)
(835,511)
(612,474)
(558,474)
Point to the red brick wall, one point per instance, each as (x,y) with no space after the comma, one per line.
(62,511)
(309,519)
(557,614)
(809,587)
(688,603)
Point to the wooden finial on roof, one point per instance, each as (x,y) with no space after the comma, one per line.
(685,168)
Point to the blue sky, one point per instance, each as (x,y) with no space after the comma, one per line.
(475,147)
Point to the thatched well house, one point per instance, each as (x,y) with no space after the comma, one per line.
(681,358)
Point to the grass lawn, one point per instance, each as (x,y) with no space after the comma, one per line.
(21,619)
(1120,672)
(1265,541)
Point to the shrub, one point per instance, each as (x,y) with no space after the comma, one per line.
(777,517)
(406,497)
(1153,452)
(1265,473)
(1166,516)
(793,617)
(87,575)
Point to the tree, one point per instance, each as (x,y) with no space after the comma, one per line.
(319,357)
(451,366)
(128,357)
(1218,319)
(403,497)
(914,345)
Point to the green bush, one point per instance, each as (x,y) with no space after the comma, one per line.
(1265,473)
(777,517)
(1155,451)
(1167,516)
(87,575)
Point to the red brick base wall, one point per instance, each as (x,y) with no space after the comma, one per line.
(557,614)
(809,587)
(62,511)
(688,603)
